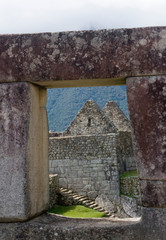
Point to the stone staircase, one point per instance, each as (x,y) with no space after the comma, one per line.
(82,200)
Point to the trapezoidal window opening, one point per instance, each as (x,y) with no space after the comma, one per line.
(83,156)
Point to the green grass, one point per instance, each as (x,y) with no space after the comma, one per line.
(127,195)
(76,211)
(129,174)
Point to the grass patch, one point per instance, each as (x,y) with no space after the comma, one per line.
(129,174)
(76,211)
(127,195)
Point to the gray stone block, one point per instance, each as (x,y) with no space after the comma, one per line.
(24,153)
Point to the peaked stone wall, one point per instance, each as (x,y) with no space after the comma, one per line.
(113,112)
(87,165)
(90,120)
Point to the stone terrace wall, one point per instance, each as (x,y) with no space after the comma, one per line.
(53,189)
(130,186)
(125,154)
(86,164)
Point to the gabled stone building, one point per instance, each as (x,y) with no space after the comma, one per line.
(92,152)
(90,120)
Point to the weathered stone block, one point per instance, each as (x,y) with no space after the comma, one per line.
(147,106)
(130,206)
(23,152)
(53,189)
(153,193)
(98,56)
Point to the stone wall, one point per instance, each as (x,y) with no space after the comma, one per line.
(82,158)
(112,111)
(86,164)
(131,206)
(130,186)
(125,154)
(90,165)
(53,189)
(90,120)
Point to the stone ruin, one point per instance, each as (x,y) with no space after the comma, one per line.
(30,63)
(92,152)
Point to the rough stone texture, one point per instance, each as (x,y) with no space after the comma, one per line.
(107,205)
(45,58)
(65,199)
(23,152)
(131,206)
(53,189)
(153,193)
(55,134)
(86,164)
(52,227)
(84,55)
(154,223)
(113,112)
(90,120)
(147,106)
(90,164)
(130,186)
(125,154)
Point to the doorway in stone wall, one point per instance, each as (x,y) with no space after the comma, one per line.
(113,172)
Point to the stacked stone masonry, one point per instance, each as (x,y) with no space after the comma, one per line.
(86,164)
(125,153)
(90,120)
(53,189)
(121,122)
(130,186)
(92,152)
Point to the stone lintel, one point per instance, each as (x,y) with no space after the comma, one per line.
(83,58)
(23,153)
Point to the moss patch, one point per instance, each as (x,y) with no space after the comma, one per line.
(129,174)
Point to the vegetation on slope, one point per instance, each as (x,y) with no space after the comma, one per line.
(64,104)
(76,211)
(129,174)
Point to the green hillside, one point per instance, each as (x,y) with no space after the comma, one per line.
(64,103)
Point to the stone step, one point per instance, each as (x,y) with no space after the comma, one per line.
(93,205)
(99,209)
(79,198)
(74,195)
(70,191)
(63,190)
(85,201)
(108,214)
(92,202)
